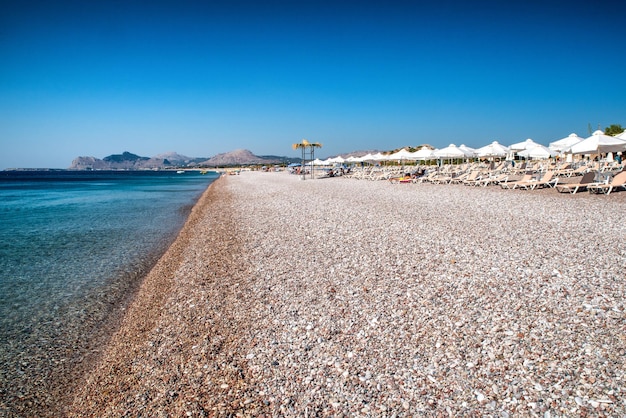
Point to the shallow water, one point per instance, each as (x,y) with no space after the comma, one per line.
(73,245)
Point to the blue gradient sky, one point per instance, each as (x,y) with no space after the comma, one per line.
(94,78)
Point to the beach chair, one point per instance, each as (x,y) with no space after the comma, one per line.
(403,179)
(520,168)
(513,184)
(460,178)
(471,177)
(377,174)
(618,181)
(578,171)
(428,177)
(562,169)
(442,178)
(581,184)
(548,179)
(502,178)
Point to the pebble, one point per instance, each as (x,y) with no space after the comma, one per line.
(352,297)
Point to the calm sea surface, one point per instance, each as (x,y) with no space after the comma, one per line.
(72,246)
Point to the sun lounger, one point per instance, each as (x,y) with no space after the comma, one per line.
(460,178)
(429,177)
(514,184)
(618,181)
(548,179)
(442,178)
(582,184)
(575,172)
(563,169)
(471,177)
(403,179)
(486,181)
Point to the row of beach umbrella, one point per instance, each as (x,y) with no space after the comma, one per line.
(597,143)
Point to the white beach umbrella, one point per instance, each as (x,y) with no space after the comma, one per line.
(373,157)
(378,157)
(493,150)
(565,143)
(317,161)
(621,136)
(598,143)
(521,146)
(424,153)
(403,154)
(470,152)
(451,151)
(539,152)
(353,159)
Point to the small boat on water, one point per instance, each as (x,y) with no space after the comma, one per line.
(180,172)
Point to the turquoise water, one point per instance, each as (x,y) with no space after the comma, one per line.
(72,246)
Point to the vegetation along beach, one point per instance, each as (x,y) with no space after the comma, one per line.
(331,297)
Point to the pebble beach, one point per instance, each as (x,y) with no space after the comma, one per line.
(345,297)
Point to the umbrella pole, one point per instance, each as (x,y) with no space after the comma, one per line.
(303,166)
(312,158)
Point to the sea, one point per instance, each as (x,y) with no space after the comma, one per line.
(74,247)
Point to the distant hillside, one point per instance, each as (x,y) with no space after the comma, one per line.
(124,161)
(242,157)
(180,160)
(358,153)
(129,161)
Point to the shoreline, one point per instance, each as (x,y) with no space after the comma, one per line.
(142,316)
(51,357)
(290,297)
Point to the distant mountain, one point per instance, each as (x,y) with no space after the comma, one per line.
(129,161)
(89,163)
(180,160)
(125,157)
(124,161)
(241,157)
(173,156)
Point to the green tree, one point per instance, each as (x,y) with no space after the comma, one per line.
(614,130)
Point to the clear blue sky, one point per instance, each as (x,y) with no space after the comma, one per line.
(90,78)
